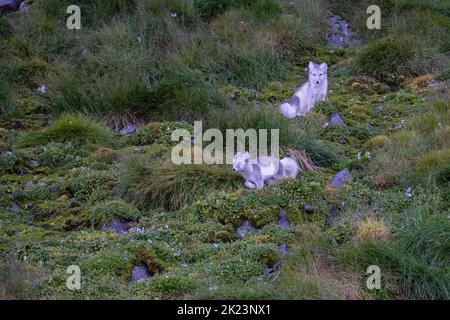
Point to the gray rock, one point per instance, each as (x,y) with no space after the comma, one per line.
(309,208)
(15,207)
(117,226)
(245,228)
(341,178)
(337,121)
(140,273)
(283,222)
(7,6)
(334,213)
(340,34)
(128,129)
(283,249)
(35,164)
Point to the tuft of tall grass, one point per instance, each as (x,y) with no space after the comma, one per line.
(76,129)
(391,59)
(301,135)
(173,186)
(402,274)
(7,105)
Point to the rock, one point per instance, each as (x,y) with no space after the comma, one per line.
(140,273)
(128,129)
(35,164)
(340,34)
(341,178)
(309,208)
(7,6)
(337,121)
(334,213)
(409,192)
(283,249)
(245,228)
(117,226)
(283,222)
(42,89)
(24,7)
(15,207)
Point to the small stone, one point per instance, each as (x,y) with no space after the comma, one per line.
(341,178)
(334,213)
(336,121)
(283,222)
(15,207)
(245,228)
(35,164)
(409,192)
(117,226)
(283,249)
(128,129)
(140,273)
(309,208)
(42,89)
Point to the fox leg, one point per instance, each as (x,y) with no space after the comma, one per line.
(250,185)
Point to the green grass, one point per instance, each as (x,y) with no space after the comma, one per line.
(173,186)
(75,129)
(302,134)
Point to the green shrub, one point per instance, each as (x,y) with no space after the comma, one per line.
(105,212)
(59,154)
(76,129)
(171,186)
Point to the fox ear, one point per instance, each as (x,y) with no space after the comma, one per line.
(324,66)
(311,65)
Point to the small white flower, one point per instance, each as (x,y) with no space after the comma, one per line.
(368,155)
(173,14)
(359,155)
(409,192)
(326,124)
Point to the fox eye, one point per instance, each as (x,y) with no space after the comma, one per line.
(314,74)
(321,74)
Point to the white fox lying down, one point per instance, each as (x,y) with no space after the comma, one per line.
(265,170)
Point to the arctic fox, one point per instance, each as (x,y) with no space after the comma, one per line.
(266,169)
(307,95)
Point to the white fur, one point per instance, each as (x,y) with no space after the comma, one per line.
(265,170)
(308,94)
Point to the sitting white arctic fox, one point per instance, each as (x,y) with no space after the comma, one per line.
(307,95)
(266,169)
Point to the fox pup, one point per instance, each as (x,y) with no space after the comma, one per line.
(307,95)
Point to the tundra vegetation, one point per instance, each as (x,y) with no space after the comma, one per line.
(66,171)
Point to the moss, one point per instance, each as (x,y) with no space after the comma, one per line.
(76,129)
(104,213)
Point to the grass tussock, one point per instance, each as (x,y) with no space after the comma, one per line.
(301,135)
(172,187)
(75,129)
